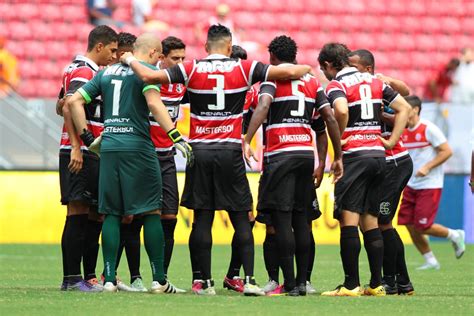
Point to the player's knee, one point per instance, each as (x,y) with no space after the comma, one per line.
(127,219)
(422,227)
(168,216)
(77,208)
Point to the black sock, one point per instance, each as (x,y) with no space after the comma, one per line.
(132,247)
(312,255)
(286,246)
(373,243)
(169,226)
(301,232)
(390,249)
(271,256)
(402,271)
(200,241)
(91,248)
(196,270)
(235,263)
(63,250)
(74,236)
(350,249)
(244,242)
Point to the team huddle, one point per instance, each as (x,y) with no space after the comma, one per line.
(123,119)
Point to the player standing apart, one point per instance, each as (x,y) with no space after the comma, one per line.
(357,101)
(130,172)
(79,168)
(217,86)
(429,149)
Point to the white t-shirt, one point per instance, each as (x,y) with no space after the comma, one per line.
(421,142)
(140,9)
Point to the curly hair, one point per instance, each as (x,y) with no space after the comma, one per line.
(366,57)
(284,48)
(335,53)
(125,40)
(238,52)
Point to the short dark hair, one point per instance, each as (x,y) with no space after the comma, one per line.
(238,52)
(101,34)
(335,53)
(284,48)
(217,32)
(171,43)
(125,39)
(414,101)
(366,57)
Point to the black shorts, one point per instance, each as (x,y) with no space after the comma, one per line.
(287,185)
(396,178)
(83,186)
(217,181)
(170,186)
(359,189)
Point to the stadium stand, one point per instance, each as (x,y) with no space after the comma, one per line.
(409,38)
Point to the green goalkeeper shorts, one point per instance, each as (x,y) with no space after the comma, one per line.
(129,183)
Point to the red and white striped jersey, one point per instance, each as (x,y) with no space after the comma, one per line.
(365,95)
(172,96)
(292,115)
(217,87)
(77,74)
(398,151)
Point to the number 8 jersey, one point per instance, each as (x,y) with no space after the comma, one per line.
(365,95)
(217,87)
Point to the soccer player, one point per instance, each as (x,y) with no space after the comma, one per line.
(397,173)
(429,149)
(286,189)
(130,178)
(79,168)
(357,100)
(217,86)
(172,95)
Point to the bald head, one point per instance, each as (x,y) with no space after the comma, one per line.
(148,48)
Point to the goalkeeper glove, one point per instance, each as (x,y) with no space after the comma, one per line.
(93,144)
(182,145)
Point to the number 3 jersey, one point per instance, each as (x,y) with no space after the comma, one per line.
(217,86)
(126,124)
(365,95)
(294,112)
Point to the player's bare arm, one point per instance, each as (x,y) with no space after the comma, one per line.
(341,113)
(397,85)
(444,152)
(334,131)
(402,110)
(292,72)
(161,115)
(75,164)
(258,118)
(143,72)
(322,147)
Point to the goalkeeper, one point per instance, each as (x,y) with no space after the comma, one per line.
(130,178)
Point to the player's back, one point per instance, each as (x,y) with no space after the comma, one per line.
(126,124)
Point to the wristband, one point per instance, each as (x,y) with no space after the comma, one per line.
(87,137)
(174,135)
(129,60)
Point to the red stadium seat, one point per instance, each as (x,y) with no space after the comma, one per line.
(74,13)
(28,11)
(19,31)
(51,12)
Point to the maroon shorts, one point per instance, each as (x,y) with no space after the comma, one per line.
(419,207)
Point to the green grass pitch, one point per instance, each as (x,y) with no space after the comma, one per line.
(31,274)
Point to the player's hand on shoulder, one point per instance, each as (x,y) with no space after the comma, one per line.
(75,163)
(182,145)
(126,58)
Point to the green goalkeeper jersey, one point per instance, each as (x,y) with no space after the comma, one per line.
(126,124)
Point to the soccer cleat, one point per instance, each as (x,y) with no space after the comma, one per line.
(389,289)
(278,291)
(109,287)
(458,244)
(430,266)
(302,289)
(197,286)
(95,284)
(406,289)
(82,286)
(64,286)
(178,290)
(378,291)
(310,289)
(252,290)
(207,288)
(157,288)
(121,286)
(341,290)
(234,284)
(281,291)
(270,286)
(137,286)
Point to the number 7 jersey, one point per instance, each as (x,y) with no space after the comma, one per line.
(217,87)
(365,95)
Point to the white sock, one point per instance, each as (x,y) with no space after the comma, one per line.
(430,258)
(452,234)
